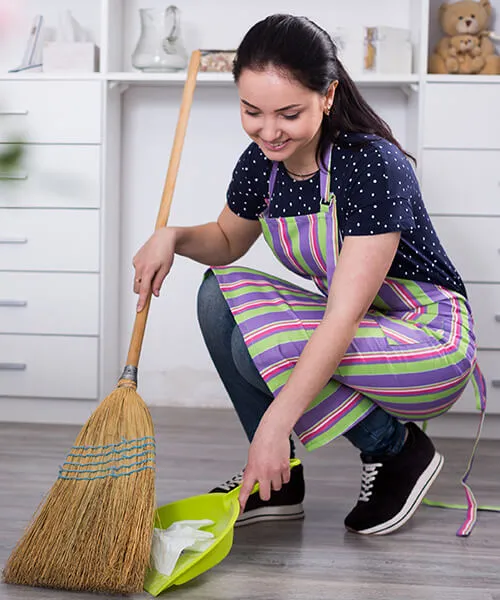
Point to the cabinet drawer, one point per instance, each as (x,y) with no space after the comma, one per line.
(51,111)
(461,181)
(53,176)
(472,243)
(449,122)
(485,302)
(48,367)
(49,240)
(489,363)
(49,303)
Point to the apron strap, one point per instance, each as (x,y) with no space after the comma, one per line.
(471,506)
(272,181)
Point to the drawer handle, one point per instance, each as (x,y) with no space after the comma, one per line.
(495,383)
(12,366)
(13,240)
(14,112)
(16,176)
(13,303)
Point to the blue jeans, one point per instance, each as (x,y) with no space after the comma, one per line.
(378,434)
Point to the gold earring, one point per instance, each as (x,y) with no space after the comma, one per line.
(327,110)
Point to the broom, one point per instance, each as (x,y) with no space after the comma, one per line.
(94,531)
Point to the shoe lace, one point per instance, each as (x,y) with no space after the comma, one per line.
(232,483)
(368,475)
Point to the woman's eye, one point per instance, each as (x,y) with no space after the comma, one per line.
(251,114)
(291,117)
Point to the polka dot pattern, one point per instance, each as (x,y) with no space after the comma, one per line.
(377,192)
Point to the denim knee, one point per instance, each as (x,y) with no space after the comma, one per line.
(211,304)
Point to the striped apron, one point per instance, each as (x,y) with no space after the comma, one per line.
(413,354)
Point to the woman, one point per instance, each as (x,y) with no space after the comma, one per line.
(387,338)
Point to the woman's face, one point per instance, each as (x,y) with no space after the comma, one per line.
(281,115)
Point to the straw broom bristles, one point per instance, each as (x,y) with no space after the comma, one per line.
(94,530)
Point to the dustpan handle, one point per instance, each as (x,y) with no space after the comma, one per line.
(134,351)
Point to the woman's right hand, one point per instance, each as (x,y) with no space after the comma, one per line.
(152,264)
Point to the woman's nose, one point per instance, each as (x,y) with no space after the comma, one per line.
(270,131)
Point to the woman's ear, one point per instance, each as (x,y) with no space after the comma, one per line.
(330,94)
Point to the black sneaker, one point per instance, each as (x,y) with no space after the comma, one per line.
(284,505)
(392,488)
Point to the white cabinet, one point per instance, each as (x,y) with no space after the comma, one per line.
(49,303)
(48,366)
(462,116)
(54,176)
(51,112)
(473,243)
(49,240)
(54,267)
(485,300)
(461,182)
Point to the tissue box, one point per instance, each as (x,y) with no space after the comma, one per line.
(75,57)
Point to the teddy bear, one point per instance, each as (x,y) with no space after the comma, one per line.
(464,55)
(466,17)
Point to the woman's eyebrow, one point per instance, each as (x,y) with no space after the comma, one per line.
(277,110)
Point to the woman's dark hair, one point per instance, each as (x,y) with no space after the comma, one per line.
(300,47)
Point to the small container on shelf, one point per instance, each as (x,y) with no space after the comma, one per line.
(217,61)
(378,50)
(388,50)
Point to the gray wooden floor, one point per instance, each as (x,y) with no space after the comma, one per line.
(315,559)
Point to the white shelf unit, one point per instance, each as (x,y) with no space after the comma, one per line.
(134,118)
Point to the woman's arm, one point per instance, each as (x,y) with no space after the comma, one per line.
(218,243)
(362,267)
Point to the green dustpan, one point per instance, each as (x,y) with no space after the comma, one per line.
(223,510)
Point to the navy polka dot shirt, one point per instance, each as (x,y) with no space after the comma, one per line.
(377,192)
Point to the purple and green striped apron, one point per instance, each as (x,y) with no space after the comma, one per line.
(413,354)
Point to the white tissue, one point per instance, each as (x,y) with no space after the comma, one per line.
(69,30)
(168,544)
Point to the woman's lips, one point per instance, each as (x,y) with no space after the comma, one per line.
(275,147)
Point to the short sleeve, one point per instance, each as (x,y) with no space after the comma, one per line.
(380,191)
(248,187)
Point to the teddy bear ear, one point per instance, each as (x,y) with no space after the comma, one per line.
(443,8)
(486,4)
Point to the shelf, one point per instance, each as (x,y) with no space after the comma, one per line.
(138,78)
(463,79)
(227,79)
(51,77)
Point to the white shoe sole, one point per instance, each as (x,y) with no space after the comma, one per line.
(414,500)
(271,513)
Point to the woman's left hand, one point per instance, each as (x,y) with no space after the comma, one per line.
(268,461)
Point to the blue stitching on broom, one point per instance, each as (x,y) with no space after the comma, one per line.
(124,441)
(112,474)
(106,462)
(99,454)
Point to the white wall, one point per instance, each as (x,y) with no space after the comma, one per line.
(175,367)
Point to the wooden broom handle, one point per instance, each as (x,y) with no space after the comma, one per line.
(134,350)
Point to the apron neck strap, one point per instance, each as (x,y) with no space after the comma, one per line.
(272,181)
(325,175)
